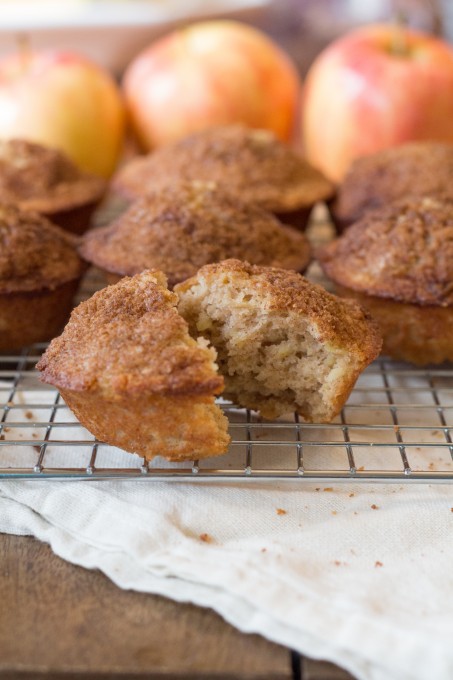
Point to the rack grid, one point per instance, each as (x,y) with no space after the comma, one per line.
(397,426)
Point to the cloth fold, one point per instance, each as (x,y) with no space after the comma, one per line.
(356,574)
(367,589)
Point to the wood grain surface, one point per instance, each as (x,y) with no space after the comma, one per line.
(62,622)
(56,618)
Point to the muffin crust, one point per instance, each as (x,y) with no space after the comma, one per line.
(252,164)
(398,263)
(34,253)
(408,171)
(40,272)
(403,252)
(188,225)
(44,180)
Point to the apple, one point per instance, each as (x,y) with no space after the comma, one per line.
(210,73)
(64,101)
(375,88)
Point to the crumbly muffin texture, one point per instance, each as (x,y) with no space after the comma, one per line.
(43,179)
(403,252)
(127,367)
(410,170)
(34,253)
(188,225)
(251,164)
(283,343)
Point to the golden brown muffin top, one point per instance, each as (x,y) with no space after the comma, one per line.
(34,254)
(403,252)
(251,164)
(188,225)
(35,177)
(411,170)
(341,323)
(128,339)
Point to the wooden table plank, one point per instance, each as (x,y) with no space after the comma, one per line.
(60,620)
(321,670)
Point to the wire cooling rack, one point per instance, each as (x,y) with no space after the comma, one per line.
(397,425)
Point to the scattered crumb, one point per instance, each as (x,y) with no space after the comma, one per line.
(333,512)
(206,538)
(34,435)
(431,466)
(328,488)
(29,415)
(37,449)
(375,507)
(263,549)
(355,512)
(6,429)
(318,488)
(261,435)
(10,403)
(378,564)
(352,551)
(396,429)
(280,511)
(451,509)
(351,495)
(339,563)
(2,436)
(361,468)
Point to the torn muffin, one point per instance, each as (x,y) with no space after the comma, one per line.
(127,367)
(283,343)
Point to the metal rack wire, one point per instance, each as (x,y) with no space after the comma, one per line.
(397,426)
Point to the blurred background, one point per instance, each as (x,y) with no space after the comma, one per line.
(112,32)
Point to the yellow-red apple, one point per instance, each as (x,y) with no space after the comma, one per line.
(64,101)
(375,88)
(210,73)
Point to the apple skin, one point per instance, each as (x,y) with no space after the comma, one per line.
(211,73)
(64,101)
(359,97)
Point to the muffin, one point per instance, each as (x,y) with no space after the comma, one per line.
(283,343)
(40,271)
(127,367)
(44,180)
(188,225)
(252,164)
(398,262)
(407,171)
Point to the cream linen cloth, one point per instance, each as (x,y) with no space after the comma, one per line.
(356,574)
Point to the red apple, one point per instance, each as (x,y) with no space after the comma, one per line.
(64,101)
(210,73)
(375,88)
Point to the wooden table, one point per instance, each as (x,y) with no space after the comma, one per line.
(63,622)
